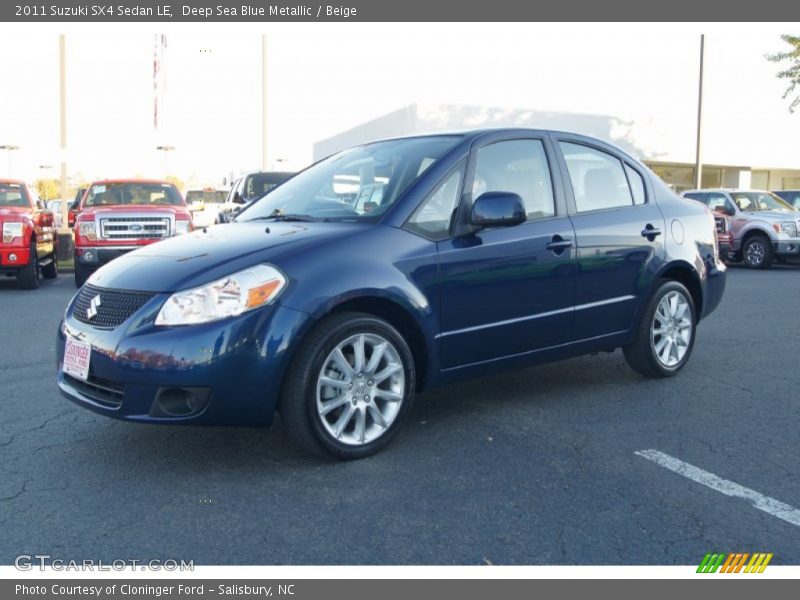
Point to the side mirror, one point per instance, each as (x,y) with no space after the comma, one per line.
(41,205)
(498,209)
(237,198)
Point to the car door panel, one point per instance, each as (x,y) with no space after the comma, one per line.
(618,248)
(507,290)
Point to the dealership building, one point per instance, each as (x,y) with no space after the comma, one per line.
(674,163)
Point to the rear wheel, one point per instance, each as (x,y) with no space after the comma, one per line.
(757,252)
(28,276)
(82,273)
(665,332)
(350,387)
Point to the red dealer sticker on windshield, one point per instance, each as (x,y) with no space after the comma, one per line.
(76,359)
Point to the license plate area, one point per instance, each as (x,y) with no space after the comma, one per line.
(77,356)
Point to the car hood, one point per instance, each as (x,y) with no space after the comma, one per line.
(100,211)
(13,213)
(774,215)
(206,255)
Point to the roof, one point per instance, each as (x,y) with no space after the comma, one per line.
(14,181)
(130,180)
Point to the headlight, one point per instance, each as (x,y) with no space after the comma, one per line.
(182,226)
(787,227)
(226,297)
(11,230)
(87,229)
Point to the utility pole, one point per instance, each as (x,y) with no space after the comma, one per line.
(698,165)
(62,71)
(264,166)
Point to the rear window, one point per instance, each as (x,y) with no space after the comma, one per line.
(133,194)
(210,196)
(13,194)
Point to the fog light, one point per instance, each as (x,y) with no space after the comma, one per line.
(88,255)
(12,257)
(180,402)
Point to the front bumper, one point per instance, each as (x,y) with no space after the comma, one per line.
(97,256)
(787,247)
(232,369)
(21,257)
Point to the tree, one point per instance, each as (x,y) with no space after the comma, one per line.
(48,189)
(790,59)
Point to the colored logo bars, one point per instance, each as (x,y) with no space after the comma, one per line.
(735,562)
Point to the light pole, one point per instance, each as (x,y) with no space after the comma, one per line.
(9,148)
(165,149)
(698,165)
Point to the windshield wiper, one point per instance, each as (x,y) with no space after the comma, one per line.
(285,217)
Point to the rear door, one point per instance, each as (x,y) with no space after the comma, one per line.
(619,232)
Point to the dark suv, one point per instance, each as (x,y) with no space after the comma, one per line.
(393,268)
(248,188)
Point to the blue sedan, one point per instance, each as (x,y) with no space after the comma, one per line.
(388,269)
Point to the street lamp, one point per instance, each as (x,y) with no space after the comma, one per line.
(165,149)
(9,148)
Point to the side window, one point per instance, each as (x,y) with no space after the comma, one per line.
(719,203)
(598,180)
(700,197)
(433,217)
(637,185)
(518,166)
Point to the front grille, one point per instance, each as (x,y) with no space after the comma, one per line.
(113,308)
(134,228)
(109,393)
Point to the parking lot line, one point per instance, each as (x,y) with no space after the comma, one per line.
(764,503)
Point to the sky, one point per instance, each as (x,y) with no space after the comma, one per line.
(325,78)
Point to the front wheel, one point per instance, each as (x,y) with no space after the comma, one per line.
(665,333)
(349,388)
(82,273)
(28,276)
(757,252)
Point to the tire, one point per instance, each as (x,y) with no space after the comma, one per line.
(82,273)
(644,355)
(367,412)
(28,276)
(757,252)
(50,271)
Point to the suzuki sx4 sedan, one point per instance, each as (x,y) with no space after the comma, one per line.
(389,269)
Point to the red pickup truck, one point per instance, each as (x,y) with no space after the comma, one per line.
(29,235)
(120,215)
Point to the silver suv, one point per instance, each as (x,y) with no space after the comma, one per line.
(762,226)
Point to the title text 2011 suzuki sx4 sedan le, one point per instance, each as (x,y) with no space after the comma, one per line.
(388,269)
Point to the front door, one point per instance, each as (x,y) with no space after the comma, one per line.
(509,290)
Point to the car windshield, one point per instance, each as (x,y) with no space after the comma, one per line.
(359,184)
(139,194)
(208,196)
(758,201)
(13,194)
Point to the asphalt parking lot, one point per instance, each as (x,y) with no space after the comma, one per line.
(535,467)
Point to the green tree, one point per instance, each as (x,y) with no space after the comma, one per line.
(790,62)
(48,189)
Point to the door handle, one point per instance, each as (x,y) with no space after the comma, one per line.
(650,232)
(558,244)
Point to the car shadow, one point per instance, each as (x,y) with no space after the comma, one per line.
(186,448)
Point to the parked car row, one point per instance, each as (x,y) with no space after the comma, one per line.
(755,227)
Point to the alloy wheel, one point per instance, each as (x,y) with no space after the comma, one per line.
(671,329)
(360,389)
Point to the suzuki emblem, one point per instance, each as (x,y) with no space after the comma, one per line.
(91,312)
